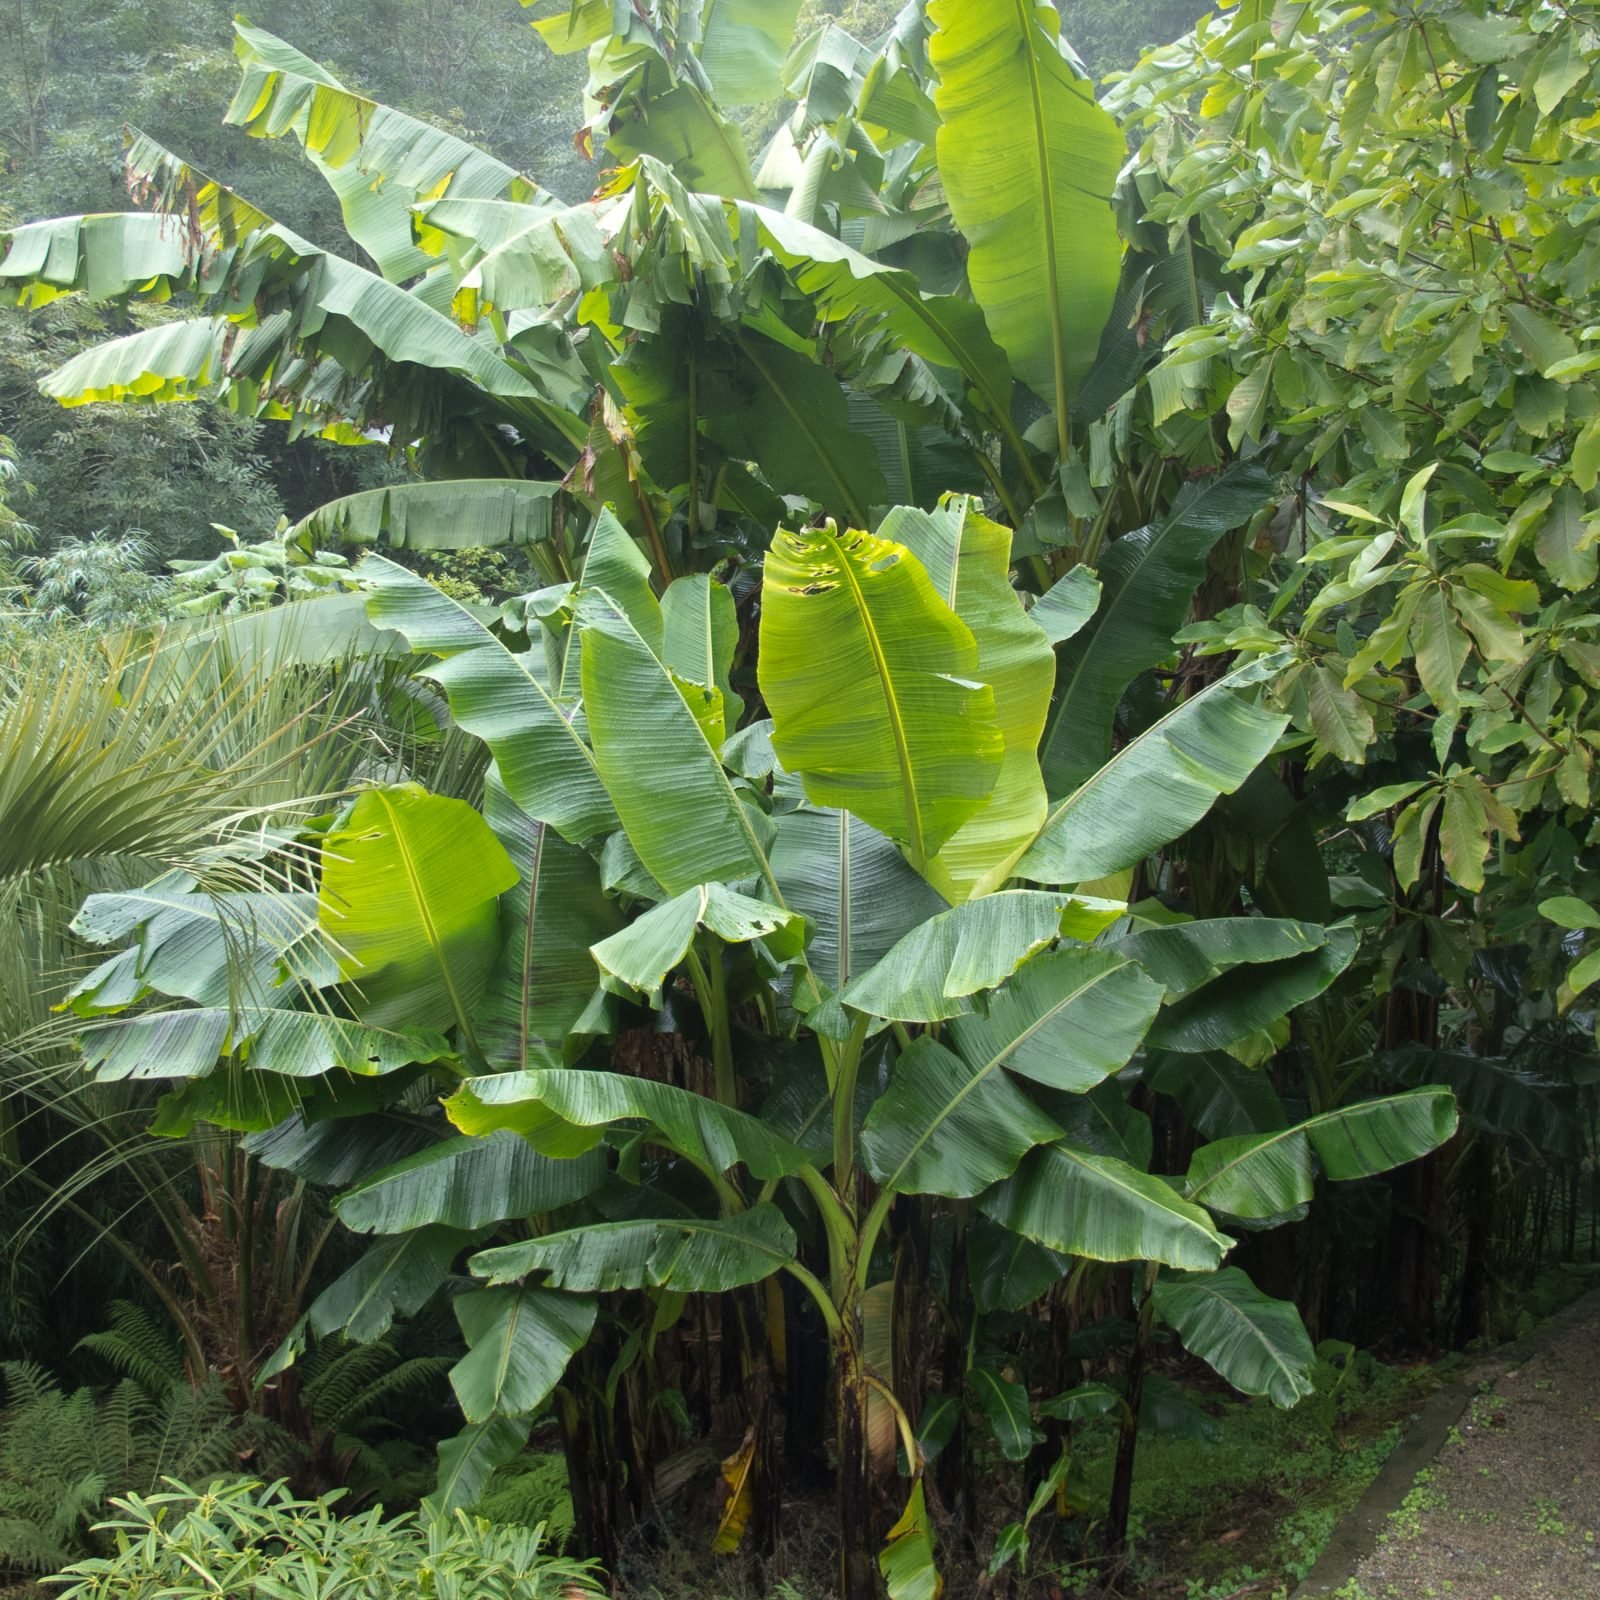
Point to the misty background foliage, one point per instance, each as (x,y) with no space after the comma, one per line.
(110,493)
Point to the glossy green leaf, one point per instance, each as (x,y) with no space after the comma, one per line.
(1064,608)
(637,958)
(692,1255)
(409,896)
(1258,1344)
(932,971)
(544,979)
(1157,786)
(968,559)
(1266,1175)
(678,806)
(1250,997)
(1220,1097)
(519,1342)
(1068,1018)
(460,514)
(468,1460)
(1149,577)
(467,1183)
(1095,1206)
(396,1277)
(702,635)
(1028,161)
(853,885)
(868,675)
(1005,1406)
(948,1126)
(501,698)
(293,1044)
(540,1105)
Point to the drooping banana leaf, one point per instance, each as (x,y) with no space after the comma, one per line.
(1251,997)
(945,1126)
(1259,1176)
(677,804)
(1157,786)
(854,887)
(499,697)
(692,1255)
(637,958)
(1095,1206)
(869,676)
(932,971)
(409,896)
(378,161)
(458,514)
(1258,1344)
(968,559)
(1221,1097)
(292,1044)
(396,1277)
(467,1183)
(1148,578)
(1028,161)
(468,1461)
(519,1342)
(544,979)
(550,1106)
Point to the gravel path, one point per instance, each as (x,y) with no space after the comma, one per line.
(1510,1508)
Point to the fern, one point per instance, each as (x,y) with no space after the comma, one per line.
(137,1346)
(62,1454)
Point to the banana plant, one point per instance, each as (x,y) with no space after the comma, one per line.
(870,886)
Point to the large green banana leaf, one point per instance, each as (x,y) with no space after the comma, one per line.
(1067,1019)
(932,971)
(1149,578)
(459,514)
(549,1107)
(468,1461)
(337,1151)
(677,804)
(868,675)
(519,1342)
(1028,161)
(637,958)
(1187,955)
(467,1183)
(692,1255)
(1008,1271)
(292,1044)
(968,559)
(947,330)
(1096,1206)
(101,256)
(946,1126)
(743,46)
(1220,1097)
(1102,1122)
(396,1277)
(1251,997)
(1258,1344)
(501,698)
(1067,604)
(614,564)
(952,1123)
(218,950)
(378,161)
(544,979)
(789,415)
(1263,1175)
(702,635)
(1157,786)
(409,896)
(853,885)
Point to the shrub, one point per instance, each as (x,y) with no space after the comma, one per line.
(247,1541)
